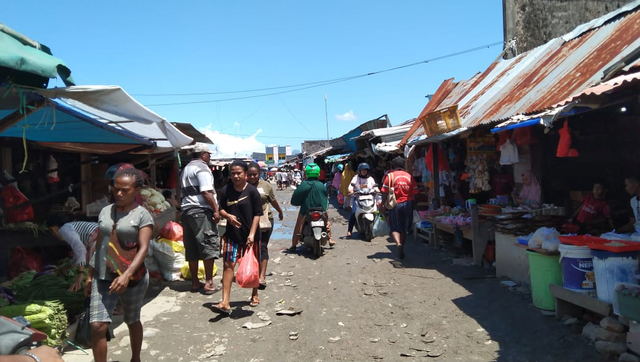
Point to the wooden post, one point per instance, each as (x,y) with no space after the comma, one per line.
(7,163)
(436,176)
(152,171)
(85,175)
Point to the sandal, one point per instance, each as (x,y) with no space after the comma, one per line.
(219,309)
(211,291)
(254,303)
(196,289)
(262,285)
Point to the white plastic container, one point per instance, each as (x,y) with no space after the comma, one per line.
(611,268)
(577,268)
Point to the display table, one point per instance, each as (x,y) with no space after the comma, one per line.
(479,232)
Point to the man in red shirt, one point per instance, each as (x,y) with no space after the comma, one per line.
(594,209)
(401,216)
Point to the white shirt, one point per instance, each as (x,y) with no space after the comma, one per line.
(77,235)
(200,176)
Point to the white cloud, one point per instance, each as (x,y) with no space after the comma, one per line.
(349,116)
(226,145)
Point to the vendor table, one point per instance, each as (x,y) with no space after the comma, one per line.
(479,232)
(511,259)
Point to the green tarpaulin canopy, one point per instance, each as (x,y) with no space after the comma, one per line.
(21,54)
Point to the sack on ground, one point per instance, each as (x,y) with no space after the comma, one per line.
(248,275)
(170,257)
(186,273)
(380,226)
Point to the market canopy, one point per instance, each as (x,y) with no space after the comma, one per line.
(78,118)
(27,62)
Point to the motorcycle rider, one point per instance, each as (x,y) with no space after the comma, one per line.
(361,180)
(311,193)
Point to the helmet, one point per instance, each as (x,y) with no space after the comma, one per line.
(340,167)
(363,166)
(312,171)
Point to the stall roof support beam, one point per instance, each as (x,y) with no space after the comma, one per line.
(18,116)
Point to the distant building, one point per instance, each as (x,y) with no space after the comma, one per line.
(309,147)
(535,22)
(259,156)
(276,155)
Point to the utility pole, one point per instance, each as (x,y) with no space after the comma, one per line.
(326,115)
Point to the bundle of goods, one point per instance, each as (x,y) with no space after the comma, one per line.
(153,201)
(48,317)
(478,171)
(458,220)
(518,223)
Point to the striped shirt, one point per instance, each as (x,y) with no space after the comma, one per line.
(195,179)
(78,234)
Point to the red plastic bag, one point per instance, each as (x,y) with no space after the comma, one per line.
(24,260)
(172,231)
(13,197)
(248,275)
(340,198)
(564,146)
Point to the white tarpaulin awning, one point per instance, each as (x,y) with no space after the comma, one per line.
(117,107)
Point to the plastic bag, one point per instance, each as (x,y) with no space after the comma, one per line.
(380,226)
(170,257)
(13,197)
(186,273)
(172,231)
(248,275)
(616,236)
(83,330)
(545,235)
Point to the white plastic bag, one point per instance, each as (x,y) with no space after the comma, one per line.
(615,236)
(380,226)
(546,238)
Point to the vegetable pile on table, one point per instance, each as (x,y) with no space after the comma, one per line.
(48,317)
(29,286)
(153,201)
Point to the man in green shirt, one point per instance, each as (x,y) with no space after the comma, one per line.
(311,193)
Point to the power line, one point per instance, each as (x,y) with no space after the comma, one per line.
(303,86)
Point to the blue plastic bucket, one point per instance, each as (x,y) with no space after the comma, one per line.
(577,268)
(611,268)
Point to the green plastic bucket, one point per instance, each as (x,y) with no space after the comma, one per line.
(544,270)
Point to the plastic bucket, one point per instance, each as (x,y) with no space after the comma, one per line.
(577,268)
(543,271)
(611,268)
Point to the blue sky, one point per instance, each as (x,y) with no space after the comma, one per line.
(169,47)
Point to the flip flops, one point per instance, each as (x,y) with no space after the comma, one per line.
(195,290)
(262,285)
(221,310)
(254,303)
(211,291)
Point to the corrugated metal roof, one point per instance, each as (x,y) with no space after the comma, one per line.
(604,87)
(542,77)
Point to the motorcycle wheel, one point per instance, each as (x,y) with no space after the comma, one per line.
(317,249)
(369,232)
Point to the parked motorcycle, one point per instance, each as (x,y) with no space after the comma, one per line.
(16,336)
(314,231)
(366,208)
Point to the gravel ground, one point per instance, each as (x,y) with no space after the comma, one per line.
(357,303)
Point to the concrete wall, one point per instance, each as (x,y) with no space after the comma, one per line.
(310,147)
(535,22)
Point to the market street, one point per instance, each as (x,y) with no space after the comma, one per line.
(357,303)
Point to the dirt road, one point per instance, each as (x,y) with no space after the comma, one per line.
(357,303)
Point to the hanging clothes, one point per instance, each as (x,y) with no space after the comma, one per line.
(509,153)
(502,138)
(443,164)
(564,146)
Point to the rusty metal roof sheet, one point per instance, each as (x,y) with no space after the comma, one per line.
(545,76)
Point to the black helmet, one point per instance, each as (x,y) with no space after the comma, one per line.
(363,166)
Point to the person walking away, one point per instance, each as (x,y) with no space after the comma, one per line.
(133,227)
(310,194)
(279,179)
(81,237)
(240,205)
(337,179)
(360,181)
(401,216)
(632,186)
(199,216)
(347,176)
(267,197)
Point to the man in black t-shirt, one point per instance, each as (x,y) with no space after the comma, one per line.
(240,205)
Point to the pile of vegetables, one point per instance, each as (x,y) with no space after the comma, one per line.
(48,317)
(154,201)
(26,226)
(29,287)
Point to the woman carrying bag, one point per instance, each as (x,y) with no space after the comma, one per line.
(125,229)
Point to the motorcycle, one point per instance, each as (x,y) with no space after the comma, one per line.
(16,336)
(366,208)
(314,231)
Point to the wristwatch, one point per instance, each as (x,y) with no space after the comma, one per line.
(33,356)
